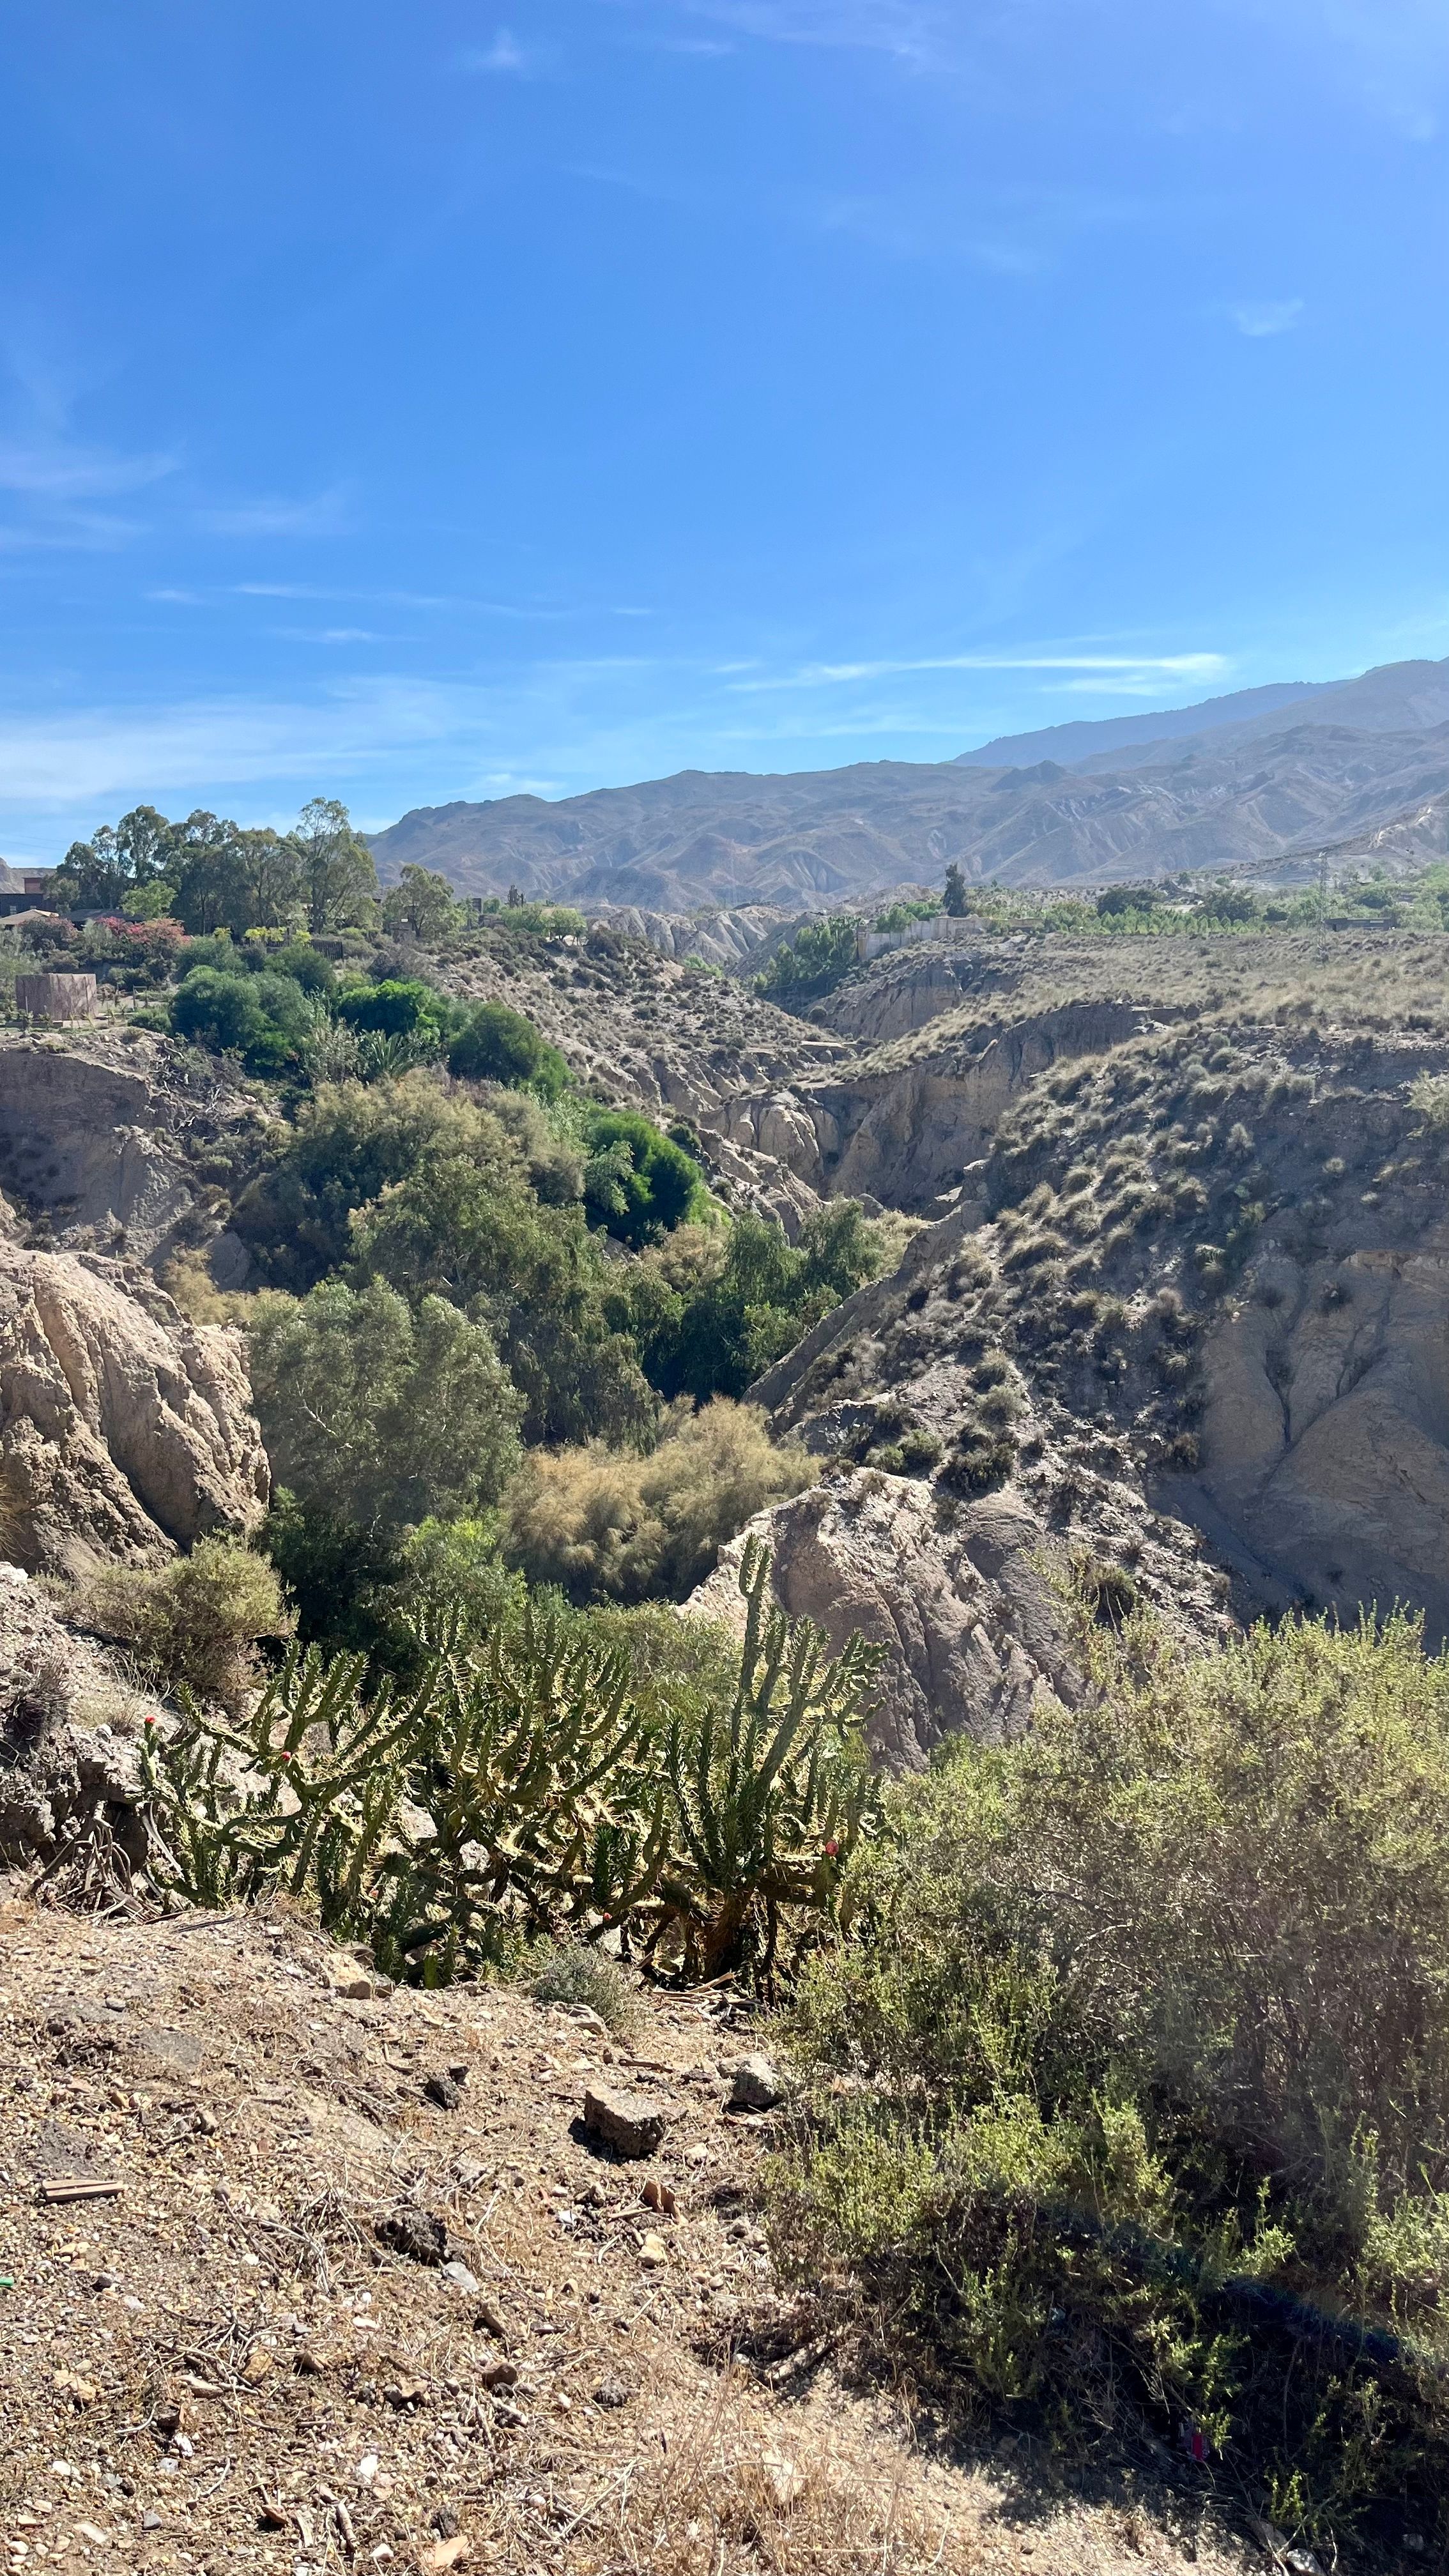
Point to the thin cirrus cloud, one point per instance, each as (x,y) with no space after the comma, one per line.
(1267,321)
(50,486)
(325,514)
(1106,669)
(57,473)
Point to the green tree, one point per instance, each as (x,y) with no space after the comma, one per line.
(499,1045)
(422,906)
(353,1141)
(394,1008)
(955,899)
(819,956)
(534,1274)
(270,872)
(338,876)
(211,885)
(374,1413)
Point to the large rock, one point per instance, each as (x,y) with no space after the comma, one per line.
(125,1431)
(972,1628)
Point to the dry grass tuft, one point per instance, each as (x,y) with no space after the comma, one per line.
(735,2497)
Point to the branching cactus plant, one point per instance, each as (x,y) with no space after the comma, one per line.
(303,1795)
(772,1795)
(529,1769)
(517,1789)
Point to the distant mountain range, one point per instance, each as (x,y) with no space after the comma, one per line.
(1239,781)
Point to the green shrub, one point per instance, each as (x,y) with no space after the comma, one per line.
(499,1045)
(351,1142)
(713,1312)
(1146,2063)
(637,1182)
(193,1624)
(374,1414)
(535,1275)
(265,1018)
(609,1524)
(394,1008)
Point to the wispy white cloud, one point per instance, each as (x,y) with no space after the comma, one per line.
(545,612)
(1151,668)
(910,32)
(52,470)
(506,54)
(325,514)
(1392,55)
(1267,321)
(50,483)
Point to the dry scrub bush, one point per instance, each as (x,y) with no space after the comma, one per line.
(609,1524)
(575,1972)
(1146,2061)
(193,1624)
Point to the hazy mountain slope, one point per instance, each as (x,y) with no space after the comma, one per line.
(1398,698)
(1355,756)
(1087,736)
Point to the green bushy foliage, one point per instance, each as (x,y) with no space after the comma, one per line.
(637,1182)
(820,956)
(374,1412)
(712,1313)
(534,1274)
(1147,2052)
(266,1019)
(195,1623)
(496,1044)
(612,1524)
(351,1142)
(396,1007)
(422,906)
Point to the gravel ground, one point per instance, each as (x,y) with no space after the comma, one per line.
(224,2366)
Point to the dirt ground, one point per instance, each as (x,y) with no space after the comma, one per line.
(223,2367)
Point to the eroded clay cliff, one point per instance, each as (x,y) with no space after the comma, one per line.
(125,1430)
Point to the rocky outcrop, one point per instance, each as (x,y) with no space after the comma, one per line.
(125,1431)
(1325,1430)
(904,1129)
(99,1139)
(970,1622)
(70,1725)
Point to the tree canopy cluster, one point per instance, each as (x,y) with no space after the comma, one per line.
(210,874)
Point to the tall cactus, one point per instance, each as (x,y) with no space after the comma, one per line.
(529,1769)
(303,1795)
(772,1797)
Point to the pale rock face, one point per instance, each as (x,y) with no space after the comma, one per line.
(78,1137)
(972,1628)
(1326,1429)
(125,1430)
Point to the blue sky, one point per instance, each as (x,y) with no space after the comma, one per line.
(404,400)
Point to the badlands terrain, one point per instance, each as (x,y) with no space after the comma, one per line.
(1167,1320)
